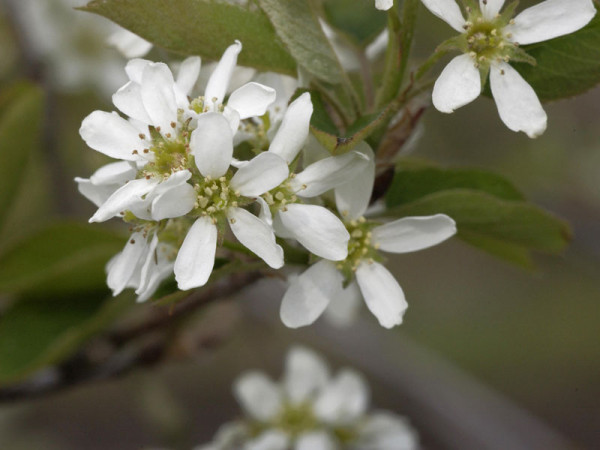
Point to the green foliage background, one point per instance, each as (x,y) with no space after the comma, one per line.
(530,334)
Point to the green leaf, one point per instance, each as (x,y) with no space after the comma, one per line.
(20,130)
(201,27)
(357,19)
(416,178)
(39,332)
(298,27)
(566,66)
(506,228)
(60,258)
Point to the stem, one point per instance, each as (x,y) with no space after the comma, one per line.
(430,62)
(392,77)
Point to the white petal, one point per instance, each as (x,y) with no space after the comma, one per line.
(387,431)
(212,144)
(268,440)
(188,74)
(135,69)
(129,44)
(413,233)
(129,101)
(378,46)
(448,11)
(258,395)
(382,293)
(160,272)
(518,105)
(262,173)
(233,117)
(252,99)
(123,266)
(219,80)
(352,198)
(158,96)
(196,256)
(490,8)
(175,202)
(112,135)
(114,173)
(344,306)
(316,440)
(317,229)
(123,199)
(265,211)
(328,173)
(280,229)
(97,194)
(458,84)
(309,294)
(149,264)
(255,235)
(550,19)
(343,400)
(293,131)
(305,374)
(384,4)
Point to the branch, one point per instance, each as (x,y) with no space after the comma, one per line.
(121,351)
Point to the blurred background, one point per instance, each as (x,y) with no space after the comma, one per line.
(478,333)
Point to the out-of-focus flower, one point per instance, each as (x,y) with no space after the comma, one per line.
(129,44)
(490,40)
(310,293)
(384,4)
(310,410)
(71,44)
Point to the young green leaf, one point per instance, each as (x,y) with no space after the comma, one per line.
(20,129)
(566,66)
(201,27)
(39,332)
(298,27)
(358,19)
(60,258)
(417,178)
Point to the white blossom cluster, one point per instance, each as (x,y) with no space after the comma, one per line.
(309,409)
(180,188)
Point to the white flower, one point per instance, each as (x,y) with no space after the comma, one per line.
(174,185)
(384,4)
(311,293)
(491,39)
(219,197)
(314,226)
(309,410)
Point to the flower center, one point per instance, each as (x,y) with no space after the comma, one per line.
(215,196)
(486,41)
(281,196)
(360,246)
(169,152)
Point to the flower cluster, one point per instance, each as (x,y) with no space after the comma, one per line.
(179,186)
(490,39)
(310,410)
